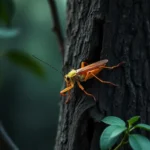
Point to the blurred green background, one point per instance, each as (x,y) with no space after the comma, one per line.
(29,105)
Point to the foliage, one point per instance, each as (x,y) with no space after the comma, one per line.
(24,60)
(117,128)
(18,57)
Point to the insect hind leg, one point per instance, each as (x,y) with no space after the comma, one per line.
(102,81)
(113,67)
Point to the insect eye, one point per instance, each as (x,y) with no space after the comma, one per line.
(67,79)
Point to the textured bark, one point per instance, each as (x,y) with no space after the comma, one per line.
(118,30)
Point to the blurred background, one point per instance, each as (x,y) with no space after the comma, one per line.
(29,105)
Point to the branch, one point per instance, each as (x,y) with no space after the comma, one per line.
(5,141)
(57,28)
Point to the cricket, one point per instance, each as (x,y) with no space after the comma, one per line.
(85,73)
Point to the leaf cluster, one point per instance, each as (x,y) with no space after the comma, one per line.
(119,129)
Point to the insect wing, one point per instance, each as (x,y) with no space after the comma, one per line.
(92,66)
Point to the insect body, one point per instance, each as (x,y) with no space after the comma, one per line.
(85,73)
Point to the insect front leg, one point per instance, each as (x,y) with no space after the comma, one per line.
(69,87)
(66,89)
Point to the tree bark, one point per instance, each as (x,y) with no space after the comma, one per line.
(117,30)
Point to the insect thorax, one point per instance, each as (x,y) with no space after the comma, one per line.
(71,74)
(80,77)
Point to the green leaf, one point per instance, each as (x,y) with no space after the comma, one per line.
(133,120)
(6,11)
(110,136)
(26,61)
(112,120)
(8,33)
(139,142)
(143,126)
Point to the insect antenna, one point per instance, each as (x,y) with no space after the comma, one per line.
(47,64)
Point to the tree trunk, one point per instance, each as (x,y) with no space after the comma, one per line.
(117,30)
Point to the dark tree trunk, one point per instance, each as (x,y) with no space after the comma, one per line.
(117,30)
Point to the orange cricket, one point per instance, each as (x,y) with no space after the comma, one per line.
(85,73)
